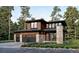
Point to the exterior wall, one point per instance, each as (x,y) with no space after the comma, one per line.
(25,26)
(42,38)
(51,36)
(38,37)
(17,37)
(59,34)
(20,37)
(39,25)
(31,35)
(43,25)
(51,25)
(28,26)
(25,35)
(14,37)
(47,37)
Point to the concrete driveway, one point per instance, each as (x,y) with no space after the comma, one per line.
(10,45)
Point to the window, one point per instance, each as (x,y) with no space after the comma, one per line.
(34,25)
(58,24)
(53,25)
(46,25)
(50,26)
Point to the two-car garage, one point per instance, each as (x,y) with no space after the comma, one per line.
(25,37)
(29,37)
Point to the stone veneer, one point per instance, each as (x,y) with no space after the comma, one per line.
(37,38)
(59,34)
(15,37)
(20,37)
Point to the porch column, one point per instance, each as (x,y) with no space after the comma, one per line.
(37,38)
(59,34)
(14,37)
(20,37)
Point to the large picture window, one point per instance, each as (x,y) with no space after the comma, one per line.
(34,25)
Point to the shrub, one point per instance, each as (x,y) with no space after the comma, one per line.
(70,44)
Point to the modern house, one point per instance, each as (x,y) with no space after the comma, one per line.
(41,31)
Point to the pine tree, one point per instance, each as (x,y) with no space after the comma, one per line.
(55,13)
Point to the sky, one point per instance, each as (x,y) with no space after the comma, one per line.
(37,12)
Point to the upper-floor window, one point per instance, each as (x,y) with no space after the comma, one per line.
(46,25)
(53,25)
(50,26)
(34,25)
(58,24)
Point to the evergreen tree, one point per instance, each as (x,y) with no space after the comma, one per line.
(55,13)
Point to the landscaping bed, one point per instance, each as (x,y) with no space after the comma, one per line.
(69,44)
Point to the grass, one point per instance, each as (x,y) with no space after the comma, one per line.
(71,44)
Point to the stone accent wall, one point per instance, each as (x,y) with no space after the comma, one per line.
(59,34)
(14,37)
(47,37)
(37,38)
(20,37)
(42,38)
(51,36)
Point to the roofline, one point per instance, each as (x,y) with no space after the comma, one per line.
(42,20)
(38,20)
(36,30)
(56,21)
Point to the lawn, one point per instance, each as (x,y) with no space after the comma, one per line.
(70,44)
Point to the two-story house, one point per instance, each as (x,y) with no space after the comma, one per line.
(41,31)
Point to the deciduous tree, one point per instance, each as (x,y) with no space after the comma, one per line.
(71,15)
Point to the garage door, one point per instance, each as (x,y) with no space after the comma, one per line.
(29,38)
